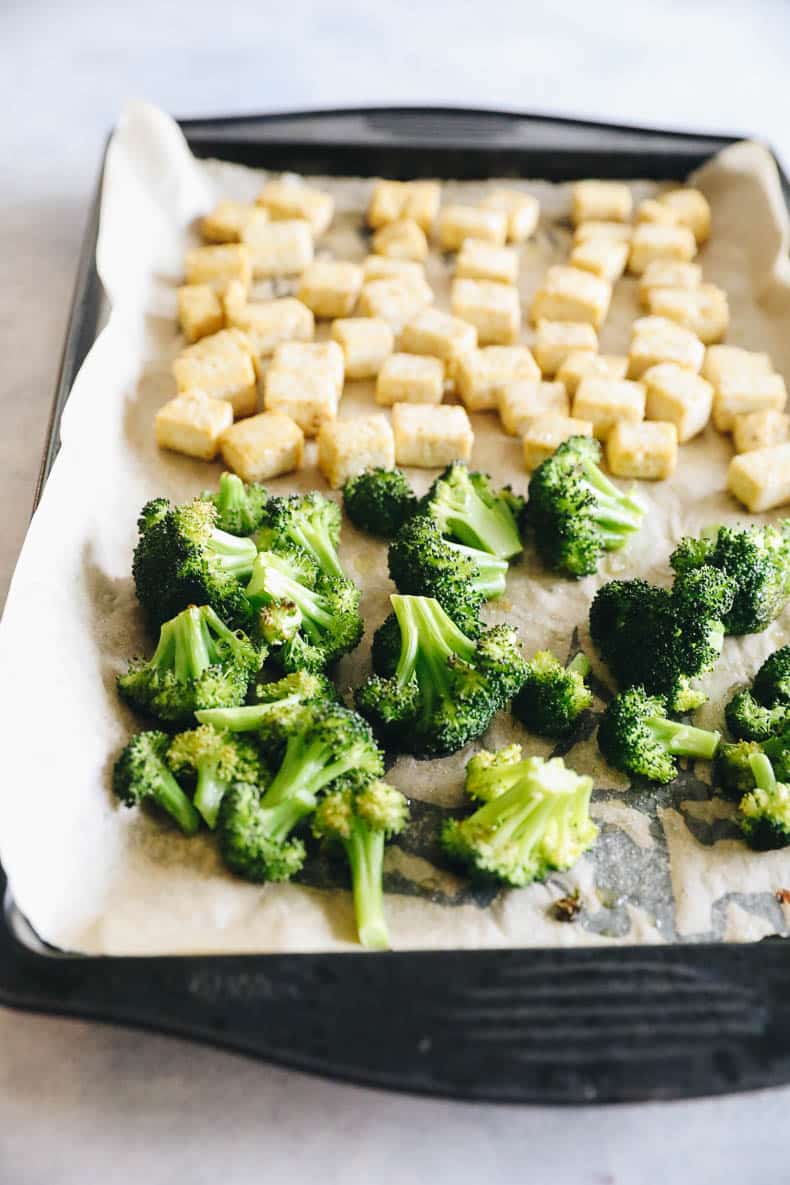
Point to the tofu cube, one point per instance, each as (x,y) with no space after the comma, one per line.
(478,260)
(678,397)
(493,309)
(395,301)
(220,365)
(691,209)
(703,310)
(218,266)
(729,362)
(429,437)
(279,248)
(227,220)
(263,446)
(308,397)
(557,340)
(439,334)
(268,323)
(330,287)
(522,210)
(652,211)
(481,374)
(457,223)
(525,400)
(666,273)
(200,311)
(594,228)
(312,356)
(403,239)
(648,451)
(601,201)
(582,364)
(650,242)
(192,424)
(733,396)
(546,433)
(410,378)
(759,429)
(393,200)
(349,447)
(383,267)
(289,199)
(366,343)
(570,294)
(602,257)
(655,339)
(606,402)
(761,479)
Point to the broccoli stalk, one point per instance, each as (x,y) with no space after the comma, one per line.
(553,696)
(216,760)
(307,521)
(277,702)
(764,813)
(240,507)
(379,501)
(636,737)
(141,775)
(465,507)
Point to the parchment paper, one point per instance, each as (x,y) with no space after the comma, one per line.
(95,877)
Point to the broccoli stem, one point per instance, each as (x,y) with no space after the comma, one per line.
(307,767)
(428,639)
(209,792)
(275,584)
(492,571)
(616,514)
(235,554)
(365,852)
(231,495)
(247,718)
(682,740)
(192,644)
(171,798)
(515,817)
(763,771)
(486,528)
(580,664)
(314,540)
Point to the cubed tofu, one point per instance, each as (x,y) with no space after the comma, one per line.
(691,209)
(279,248)
(606,402)
(222,366)
(218,266)
(557,340)
(308,396)
(439,334)
(761,479)
(422,203)
(393,200)
(410,378)
(330,287)
(395,301)
(652,211)
(655,339)
(366,343)
(227,220)
(192,424)
(382,267)
(648,450)
(268,323)
(651,241)
(617,232)
(524,400)
(457,223)
(403,239)
(200,311)
(478,260)
(666,273)
(603,257)
(482,373)
(601,201)
(730,362)
(583,364)
(703,310)
(734,396)
(430,437)
(759,429)
(546,433)
(289,199)
(313,356)
(678,397)
(349,447)
(570,294)
(493,309)
(522,210)
(263,446)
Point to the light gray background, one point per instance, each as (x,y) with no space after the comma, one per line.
(81,1103)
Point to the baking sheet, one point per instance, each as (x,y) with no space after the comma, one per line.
(94,877)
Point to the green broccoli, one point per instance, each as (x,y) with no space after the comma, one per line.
(379,501)
(636,737)
(466,508)
(553,696)
(732,770)
(359,823)
(214,761)
(764,813)
(276,704)
(446,687)
(198,663)
(764,711)
(575,513)
(240,507)
(141,774)
(777,750)
(308,521)
(182,559)
(535,818)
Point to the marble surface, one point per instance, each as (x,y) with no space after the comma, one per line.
(81,1103)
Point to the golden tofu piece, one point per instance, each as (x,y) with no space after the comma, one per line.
(570,294)
(263,446)
(439,334)
(383,267)
(759,429)
(431,436)
(481,374)
(601,201)
(308,396)
(655,339)
(679,397)
(403,239)
(227,220)
(522,210)
(651,210)
(289,199)
(457,223)
(410,378)
(703,310)
(691,209)
(525,400)
(582,364)
(733,396)
(606,402)
(651,241)
(192,424)
(603,257)
(730,362)
(314,356)
(200,311)
(546,433)
(218,266)
(555,341)
(667,273)
(366,343)
(761,479)
(349,447)
(422,203)
(395,301)
(594,228)
(267,323)
(393,200)
(478,260)
(279,248)
(648,450)
(493,309)
(221,365)
(330,287)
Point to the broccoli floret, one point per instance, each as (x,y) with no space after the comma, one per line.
(240,507)
(553,697)
(758,560)
(446,687)
(636,737)
(278,701)
(537,821)
(308,617)
(771,684)
(214,760)
(198,663)
(183,559)
(141,775)
(575,513)
(379,501)
(328,748)
(359,823)
(423,563)
(777,750)
(732,770)
(309,521)
(465,507)
(764,813)
(493,771)
(764,711)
